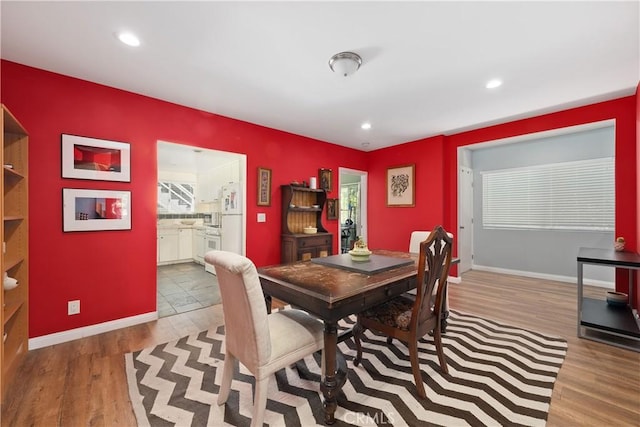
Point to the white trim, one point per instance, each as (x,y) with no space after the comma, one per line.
(557,278)
(454,279)
(86,331)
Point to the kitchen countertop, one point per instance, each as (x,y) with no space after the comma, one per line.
(175,226)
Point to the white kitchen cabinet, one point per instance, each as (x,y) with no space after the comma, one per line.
(204,189)
(175,245)
(198,245)
(167,245)
(185,244)
(210,182)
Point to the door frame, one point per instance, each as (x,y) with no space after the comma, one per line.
(465,235)
(362,227)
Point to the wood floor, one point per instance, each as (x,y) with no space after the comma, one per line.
(82,383)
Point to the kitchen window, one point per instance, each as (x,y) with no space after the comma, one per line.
(176,197)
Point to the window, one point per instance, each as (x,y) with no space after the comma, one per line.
(577,195)
(176,197)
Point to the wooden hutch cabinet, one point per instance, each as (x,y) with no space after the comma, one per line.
(302,207)
(14,261)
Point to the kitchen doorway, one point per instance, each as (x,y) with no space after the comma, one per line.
(353,207)
(192,184)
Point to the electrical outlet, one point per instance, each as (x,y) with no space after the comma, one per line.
(73,307)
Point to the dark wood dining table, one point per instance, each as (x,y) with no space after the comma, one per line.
(334,288)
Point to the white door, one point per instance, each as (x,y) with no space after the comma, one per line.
(465,219)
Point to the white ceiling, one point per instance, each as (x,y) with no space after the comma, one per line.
(424,63)
(181,158)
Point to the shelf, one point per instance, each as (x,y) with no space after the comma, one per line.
(609,257)
(597,314)
(310,190)
(298,212)
(11,310)
(15,257)
(298,209)
(15,350)
(12,173)
(319,233)
(301,209)
(10,263)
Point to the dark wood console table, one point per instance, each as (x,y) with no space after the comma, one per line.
(596,314)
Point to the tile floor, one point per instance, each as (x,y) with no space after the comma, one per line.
(185,287)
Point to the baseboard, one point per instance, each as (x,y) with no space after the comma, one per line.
(454,279)
(557,278)
(87,331)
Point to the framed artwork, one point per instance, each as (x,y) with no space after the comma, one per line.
(264,187)
(96,159)
(401,186)
(326,180)
(332,208)
(95,210)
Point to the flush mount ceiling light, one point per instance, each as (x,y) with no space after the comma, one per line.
(366,126)
(129,39)
(492,84)
(345,63)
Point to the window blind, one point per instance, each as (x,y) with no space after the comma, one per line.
(578,195)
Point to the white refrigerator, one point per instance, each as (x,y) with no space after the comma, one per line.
(231,218)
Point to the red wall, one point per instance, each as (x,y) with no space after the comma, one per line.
(113,273)
(391,227)
(637,302)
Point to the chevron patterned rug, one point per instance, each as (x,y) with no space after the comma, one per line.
(498,375)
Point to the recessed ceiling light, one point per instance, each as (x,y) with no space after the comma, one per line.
(366,126)
(492,84)
(129,39)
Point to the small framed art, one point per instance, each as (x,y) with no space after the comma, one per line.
(96,159)
(264,187)
(95,210)
(326,179)
(401,188)
(332,208)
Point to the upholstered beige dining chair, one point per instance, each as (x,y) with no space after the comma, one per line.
(416,238)
(409,319)
(263,343)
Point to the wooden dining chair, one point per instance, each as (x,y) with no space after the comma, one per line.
(409,319)
(263,343)
(414,248)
